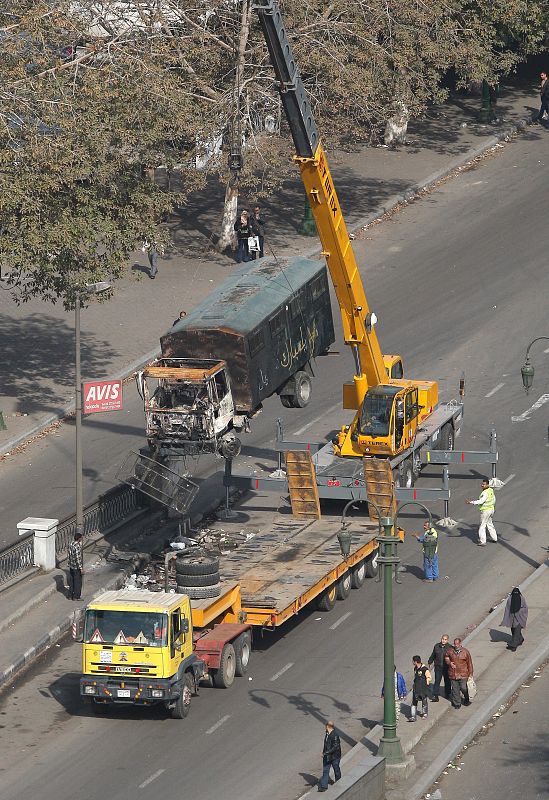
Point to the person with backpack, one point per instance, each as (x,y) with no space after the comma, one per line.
(400,691)
(421,690)
(429,542)
(487,503)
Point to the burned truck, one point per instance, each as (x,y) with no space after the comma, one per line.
(256,335)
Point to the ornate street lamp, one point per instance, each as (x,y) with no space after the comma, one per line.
(527,369)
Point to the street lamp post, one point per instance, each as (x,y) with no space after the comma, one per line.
(527,369)
(389,746)
(90,288)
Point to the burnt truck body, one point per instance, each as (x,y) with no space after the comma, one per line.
(254,336)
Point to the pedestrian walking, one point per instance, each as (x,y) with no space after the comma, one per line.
(460,668)
(331,756)
(441,667)
(258,224)
(400,691)
(544,96)
(182,315)
(244,230)
(515,617)
(76,567)
(487,503)
(420,689)
(429,542)
(153,250)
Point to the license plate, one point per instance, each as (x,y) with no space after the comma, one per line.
(123,693)
(105,657)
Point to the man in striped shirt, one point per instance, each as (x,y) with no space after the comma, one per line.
(76,567)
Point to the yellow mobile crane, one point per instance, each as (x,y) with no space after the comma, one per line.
(388,407)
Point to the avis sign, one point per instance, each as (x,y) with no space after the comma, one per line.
(102,396)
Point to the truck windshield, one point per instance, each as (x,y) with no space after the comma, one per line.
(375,417)
(145,628)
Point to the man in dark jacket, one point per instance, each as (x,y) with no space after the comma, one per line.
(544,96)
(331,755)
(258,225)
(460,667)
(441,667)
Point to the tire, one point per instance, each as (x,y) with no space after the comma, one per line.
(405,477)
(199,592)
(358,575)
(198,580)
(224,676)
(243,652)
(371,565)
(447,438)
(182,705)
(230,447)
(343,586)
(286,400)
(303,390)
(201,565)
(327,600)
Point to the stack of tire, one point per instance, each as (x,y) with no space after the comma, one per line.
(198,577)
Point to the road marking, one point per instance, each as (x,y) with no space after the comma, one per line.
(495,389)
(218,724)
(546,351)
(152,778)
(316,419)
(340,620)
(509,479)
(282,671)
(526,414)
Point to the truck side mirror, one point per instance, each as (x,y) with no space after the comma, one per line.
(77,630)
(184,625)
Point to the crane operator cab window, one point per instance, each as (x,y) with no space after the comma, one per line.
(375,417)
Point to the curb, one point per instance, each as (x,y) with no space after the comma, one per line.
(57,633)
(68,409)
(370,742)
(394,201)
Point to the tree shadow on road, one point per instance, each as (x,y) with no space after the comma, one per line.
(38,361)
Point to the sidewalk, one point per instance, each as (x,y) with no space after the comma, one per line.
(123,333)
(498,674)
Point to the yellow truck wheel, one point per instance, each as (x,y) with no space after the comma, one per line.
(182,705)
(224,676)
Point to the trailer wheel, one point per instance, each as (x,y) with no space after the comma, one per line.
(343,586)
(371,565)
(224,676)
(243,652)
(303,390)
(358,575)
(286,400)
(182,705)
(447,438)
(327,600)
(198,580)
(196,566)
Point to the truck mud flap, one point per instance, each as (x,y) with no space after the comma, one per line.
(158,481)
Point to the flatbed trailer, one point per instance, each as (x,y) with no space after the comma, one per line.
(270,578)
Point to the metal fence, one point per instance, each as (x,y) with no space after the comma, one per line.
(108,511)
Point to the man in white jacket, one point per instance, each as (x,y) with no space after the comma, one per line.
(487,503)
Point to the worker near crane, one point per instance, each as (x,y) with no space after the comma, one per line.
(487,503)
(429,542)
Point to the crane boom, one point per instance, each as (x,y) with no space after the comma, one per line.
(358,331)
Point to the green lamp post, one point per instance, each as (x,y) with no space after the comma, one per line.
(527,369)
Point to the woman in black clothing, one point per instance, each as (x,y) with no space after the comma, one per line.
(243,228)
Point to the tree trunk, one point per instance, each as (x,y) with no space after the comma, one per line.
(227,238)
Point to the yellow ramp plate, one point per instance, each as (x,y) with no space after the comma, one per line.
(380,486)
(302,486)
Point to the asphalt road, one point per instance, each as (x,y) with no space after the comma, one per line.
(459,283)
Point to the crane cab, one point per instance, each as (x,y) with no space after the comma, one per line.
(387,419)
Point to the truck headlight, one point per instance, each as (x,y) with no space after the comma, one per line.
(90,690)
(157,693)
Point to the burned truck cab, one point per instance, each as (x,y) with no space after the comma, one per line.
(189,405)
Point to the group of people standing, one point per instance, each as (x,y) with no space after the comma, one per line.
(250,234)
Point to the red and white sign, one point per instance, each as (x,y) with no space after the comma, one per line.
(102,396)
